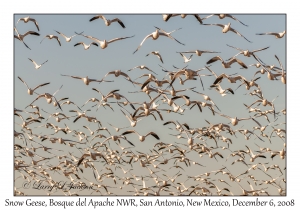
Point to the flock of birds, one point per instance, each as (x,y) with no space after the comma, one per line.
(110,159)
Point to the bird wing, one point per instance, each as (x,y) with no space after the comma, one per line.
(230,16)
(260,49)
(214,59)
(44,62)
(56,100)
(198,18)
(26,45)
(281,66)
(116,39)
(129,132)
(234,47)
(223,115)
(142,42)
(238,61)
(167,17)
(183,56)
(56,37)
(62,34)
(119,21)
(75,77)
(222,26)
(255,102)
(20,19)
(40,85)
(78,44)
(238,33)
(177,74)
(23,82)
(36,99)
(97,17)
(192,51)
(125,75)
(219,78)
(208,16)
(82,158)
(230,90)
(36,24)
(32,61)
(32,33)
(92,38)
(160,58)
(146,83)
(268,33)
(256,122)
(212,71)
(94,43)
(57,90)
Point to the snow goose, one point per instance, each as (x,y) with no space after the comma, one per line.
(31,91)
(157,54)
(283,74)
(35,64)
(50,36)
(199,52)
(155,35)
(227,64)
(86,47)
(186,60)
(227,28)
(246,53)
(166,17)
(107,21)
(48,97)
(222,16)
(104,43)
(27,19)
(86,79)
(235,120)
(68,39)
(141,138)
(277,35)
(22,36)
(142,67)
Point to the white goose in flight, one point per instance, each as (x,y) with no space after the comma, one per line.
(222,16)
(235,120)
(27,19)
(166,17)
(22,36)
(104,43)
(48,97)
(35,64)
(50,36)
(277,35)
(199,52)
(86,47)
(142,138)
(157,54)
(86,79)
(246,53)
(31,91)
(68,39)
(155,35)
(107,21)
(227,64)
(227,28)
(186,60)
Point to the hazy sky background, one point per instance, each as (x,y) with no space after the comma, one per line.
(96,62)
